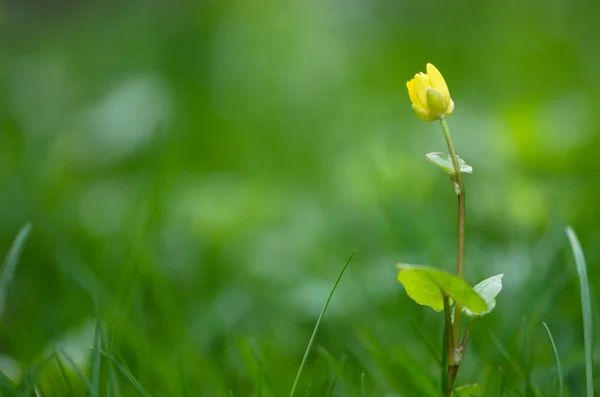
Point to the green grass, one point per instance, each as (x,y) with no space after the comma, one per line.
(311,341)
(195,174)
(557,357)
(10,265)
(586,307)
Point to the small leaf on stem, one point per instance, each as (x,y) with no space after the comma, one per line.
(427,286)
(444,161)
(467,391)
(488,289)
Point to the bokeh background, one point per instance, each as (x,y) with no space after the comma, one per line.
(197,173)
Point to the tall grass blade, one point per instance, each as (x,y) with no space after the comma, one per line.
(85,381)
(10,264)
(127,374)
(363,389)
(112,387)
(317,325)
(96,362)
(63,372)
(558,366)
(586,307)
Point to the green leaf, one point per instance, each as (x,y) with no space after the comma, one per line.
(444,161)
(488,289)
(10,264)
(467,391)
(427,286)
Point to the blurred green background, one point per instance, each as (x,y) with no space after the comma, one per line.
(196,173)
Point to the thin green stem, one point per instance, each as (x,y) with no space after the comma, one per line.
(460,260)
(449,337)
(460,190)
(452,365)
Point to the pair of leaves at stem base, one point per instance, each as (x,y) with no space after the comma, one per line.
(427,286)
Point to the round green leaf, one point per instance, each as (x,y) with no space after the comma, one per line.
(427,286)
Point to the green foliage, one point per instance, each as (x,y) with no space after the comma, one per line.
(444,161)
(488,289)
(558,364)
(427,286)
(318,323)
(467,391)
(586,307)
(10,264)
(285,140)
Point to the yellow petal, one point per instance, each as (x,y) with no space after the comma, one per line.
(437,81)
(420,84)
(412,94)
(450,108)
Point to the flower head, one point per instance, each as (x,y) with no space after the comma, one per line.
(429,95)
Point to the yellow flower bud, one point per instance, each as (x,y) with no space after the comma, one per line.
(429,95)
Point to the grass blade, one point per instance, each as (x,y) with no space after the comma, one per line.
(363,389)
(586,307)
(96,362)
(314,334)
(127,374)
(85,381)
(112,387)
(10,264)
(63,372)
(558,366)
(336,373)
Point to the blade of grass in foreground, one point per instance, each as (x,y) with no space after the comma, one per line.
(586,307)
(63,372)
(112,386)
(558,366)
(84,380)
(363,389)
(96,362)
(314,334)
(127,374)
(10,264)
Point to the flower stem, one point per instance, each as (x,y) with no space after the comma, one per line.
(460,260)
(460,189)
(451,364)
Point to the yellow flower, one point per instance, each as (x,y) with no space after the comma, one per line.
(429,95)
